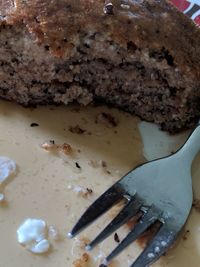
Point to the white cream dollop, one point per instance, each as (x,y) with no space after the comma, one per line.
(7,167)
(33,235)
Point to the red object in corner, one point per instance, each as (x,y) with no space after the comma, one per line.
(190,8)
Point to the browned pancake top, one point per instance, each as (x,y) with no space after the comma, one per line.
(57,23)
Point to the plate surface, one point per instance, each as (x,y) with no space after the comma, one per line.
(51,187)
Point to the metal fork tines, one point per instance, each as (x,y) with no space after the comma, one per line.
(161,190)
(132,207)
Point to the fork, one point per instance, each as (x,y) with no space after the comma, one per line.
(162,190)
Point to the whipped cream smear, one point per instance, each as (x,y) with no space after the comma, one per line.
(51,190)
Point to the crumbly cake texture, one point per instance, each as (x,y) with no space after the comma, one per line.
(140,55)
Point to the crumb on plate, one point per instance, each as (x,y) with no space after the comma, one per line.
(196,204)
(106,119)
(103,163)
(82,261)
(76,130)
(49,145)
(66,148)
(52,146)
(186,235)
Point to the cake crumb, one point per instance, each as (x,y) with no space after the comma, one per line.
(66,148)
(186,234)
(104,166)
(84,240)
(89,191)
(52,146)
(76,130)
(103,163)
(107,119)
(196,204)
(82,261)
(80,243)
(49,145)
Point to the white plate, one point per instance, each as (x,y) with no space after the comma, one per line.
(46,183)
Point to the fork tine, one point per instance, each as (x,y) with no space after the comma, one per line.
(157,247)
(146,221)
(130,209)
(100,206)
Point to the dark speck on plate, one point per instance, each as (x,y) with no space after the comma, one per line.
(77,165)
(34,124)
(116,238)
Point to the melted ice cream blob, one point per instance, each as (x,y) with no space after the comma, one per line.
(33,235)
(7,167)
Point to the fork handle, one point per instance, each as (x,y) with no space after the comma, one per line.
(191,147)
